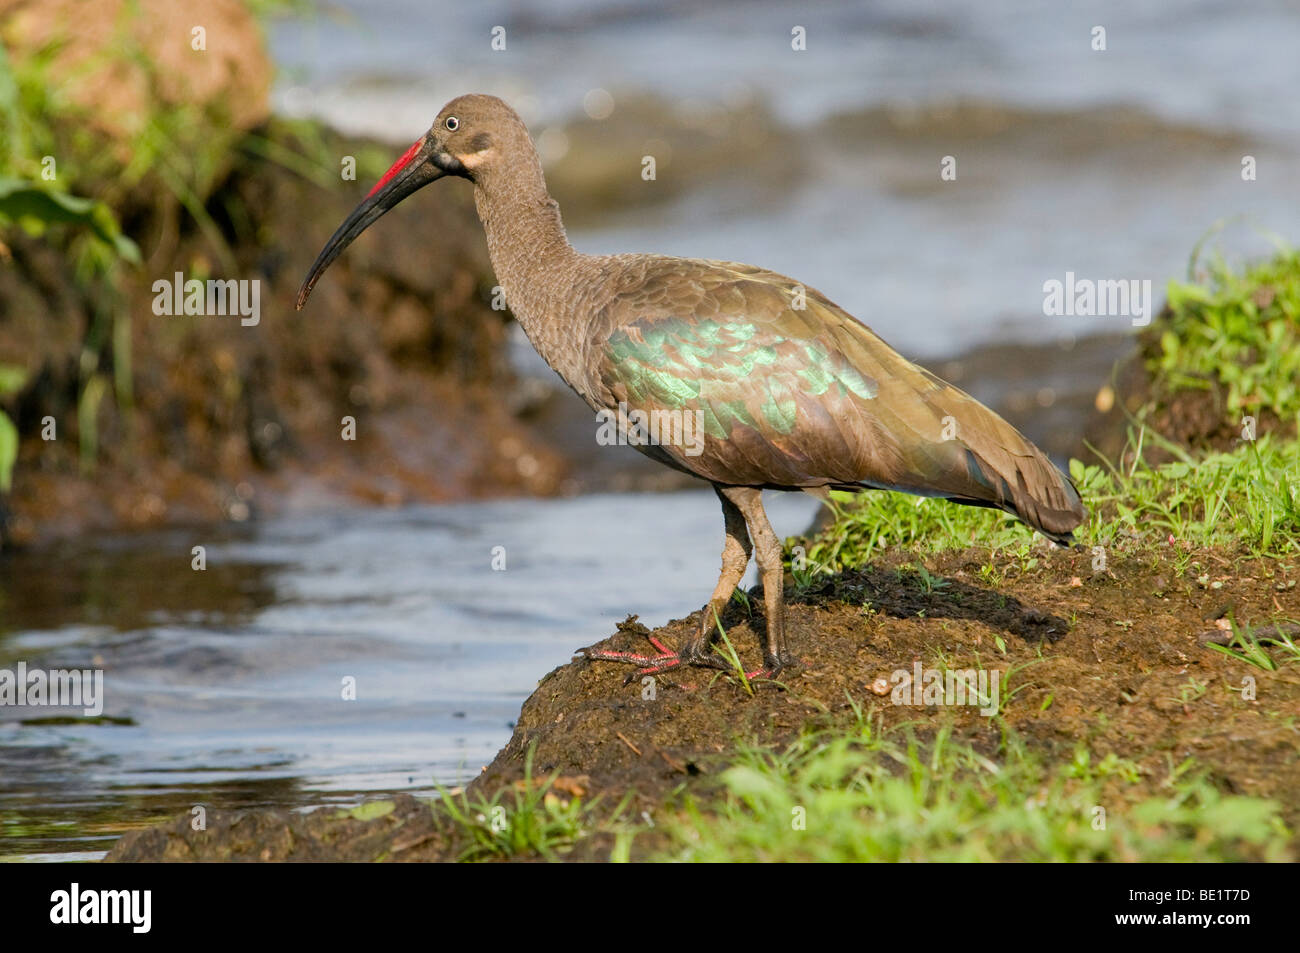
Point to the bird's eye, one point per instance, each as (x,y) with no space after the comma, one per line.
(452,123)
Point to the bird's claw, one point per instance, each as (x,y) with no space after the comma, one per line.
(665,661)
(774,666)
(646,664)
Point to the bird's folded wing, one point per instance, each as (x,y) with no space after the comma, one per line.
(742,376)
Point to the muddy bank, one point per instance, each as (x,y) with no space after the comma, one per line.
(1117,660)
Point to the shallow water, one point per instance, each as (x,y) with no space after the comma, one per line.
(231,678)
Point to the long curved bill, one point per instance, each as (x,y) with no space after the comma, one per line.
(413,171)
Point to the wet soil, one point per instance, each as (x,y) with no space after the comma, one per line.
(1194,418)
(1118,660)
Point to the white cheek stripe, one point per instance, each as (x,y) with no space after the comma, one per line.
(473,159)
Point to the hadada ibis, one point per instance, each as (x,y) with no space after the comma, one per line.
(792,391)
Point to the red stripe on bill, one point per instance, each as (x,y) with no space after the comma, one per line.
(397,166)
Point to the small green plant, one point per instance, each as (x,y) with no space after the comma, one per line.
(1247,645)
(741,598)
(35,208)
(1008,694)
(732,657)
(534,821)
(931,583)
(990,573)
(1191,691)
(1238,328)
(807,573)
(11,381)
(369,811)
(1081,766)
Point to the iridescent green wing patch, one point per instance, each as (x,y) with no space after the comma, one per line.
(732,370)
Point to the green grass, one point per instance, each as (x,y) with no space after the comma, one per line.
(1251,645)
(867,795)
(1238,329)
(12,380)
(528,820)
(1245,501)
(870,794)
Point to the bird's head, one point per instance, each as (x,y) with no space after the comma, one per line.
(473,137)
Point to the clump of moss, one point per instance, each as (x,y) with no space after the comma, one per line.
(1233,336)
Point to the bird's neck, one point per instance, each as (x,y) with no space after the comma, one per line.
(535,266)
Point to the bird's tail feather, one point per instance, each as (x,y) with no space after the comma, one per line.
(985,462)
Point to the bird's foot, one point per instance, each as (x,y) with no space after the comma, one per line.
(693,654)
(774,666)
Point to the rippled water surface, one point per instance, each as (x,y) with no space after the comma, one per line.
(230,680)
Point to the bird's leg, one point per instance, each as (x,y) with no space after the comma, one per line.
(699,650)
(767,549)
(735,558)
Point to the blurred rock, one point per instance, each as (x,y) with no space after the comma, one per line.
(232,74)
